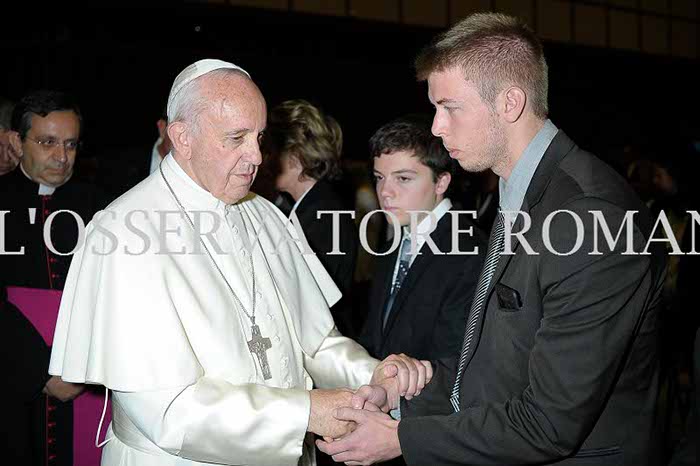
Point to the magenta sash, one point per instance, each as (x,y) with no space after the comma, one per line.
(40,307)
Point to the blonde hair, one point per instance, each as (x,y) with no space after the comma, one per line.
(299,129)
(494,51)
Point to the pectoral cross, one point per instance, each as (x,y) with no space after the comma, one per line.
(258,345)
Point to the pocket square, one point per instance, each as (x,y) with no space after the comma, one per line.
(508,298)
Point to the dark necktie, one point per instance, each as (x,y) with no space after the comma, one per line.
(404,263)
(493,253)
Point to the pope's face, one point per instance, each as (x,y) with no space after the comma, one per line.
(50,146)
(225,142)
(468,126)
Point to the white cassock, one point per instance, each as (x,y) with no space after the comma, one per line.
(160,328)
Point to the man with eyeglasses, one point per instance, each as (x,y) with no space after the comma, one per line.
(36,242)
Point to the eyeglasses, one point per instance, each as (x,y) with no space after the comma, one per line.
(51,143)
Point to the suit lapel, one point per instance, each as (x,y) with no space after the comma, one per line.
(504,260)
(385,270)
(420,264)
(560,146)
(440,236)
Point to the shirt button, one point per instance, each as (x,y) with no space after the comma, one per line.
(258,295)
(270,317)
(243,252)
(277,339)
(235,230)
(285,362)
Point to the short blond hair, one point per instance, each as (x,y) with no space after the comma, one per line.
(299,129)
(494,51)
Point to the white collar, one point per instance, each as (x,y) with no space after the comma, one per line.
(192,196)
(296,204)
(44,190)
(429,223)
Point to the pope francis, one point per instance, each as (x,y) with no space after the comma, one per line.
(192,301)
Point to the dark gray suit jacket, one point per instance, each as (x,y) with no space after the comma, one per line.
(563,368)
(429,313)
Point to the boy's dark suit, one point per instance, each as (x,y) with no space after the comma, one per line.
(429,312)
(563,367)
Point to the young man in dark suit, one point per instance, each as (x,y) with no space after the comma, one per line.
(413,309)
(559,364)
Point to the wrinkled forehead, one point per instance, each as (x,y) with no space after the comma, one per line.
(233,94)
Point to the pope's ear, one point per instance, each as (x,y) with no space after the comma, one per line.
(179,135)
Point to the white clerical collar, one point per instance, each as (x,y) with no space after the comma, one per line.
(44,190)
(429,223)
(187,189)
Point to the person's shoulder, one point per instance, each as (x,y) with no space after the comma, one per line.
(326,196)
(140,196)
(137,204)
(261,208)
(457,230)
(582,175)
(15,182)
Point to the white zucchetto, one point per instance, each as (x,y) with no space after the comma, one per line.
(194,71)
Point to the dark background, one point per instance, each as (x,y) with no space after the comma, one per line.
(120,63)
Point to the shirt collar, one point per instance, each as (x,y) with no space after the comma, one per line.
(512,192)
(298,202)
(44,190)
(192,196)
(426,225)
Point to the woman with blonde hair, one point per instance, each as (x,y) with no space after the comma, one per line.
(305,146)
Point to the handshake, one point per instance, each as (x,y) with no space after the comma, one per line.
(336,414)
